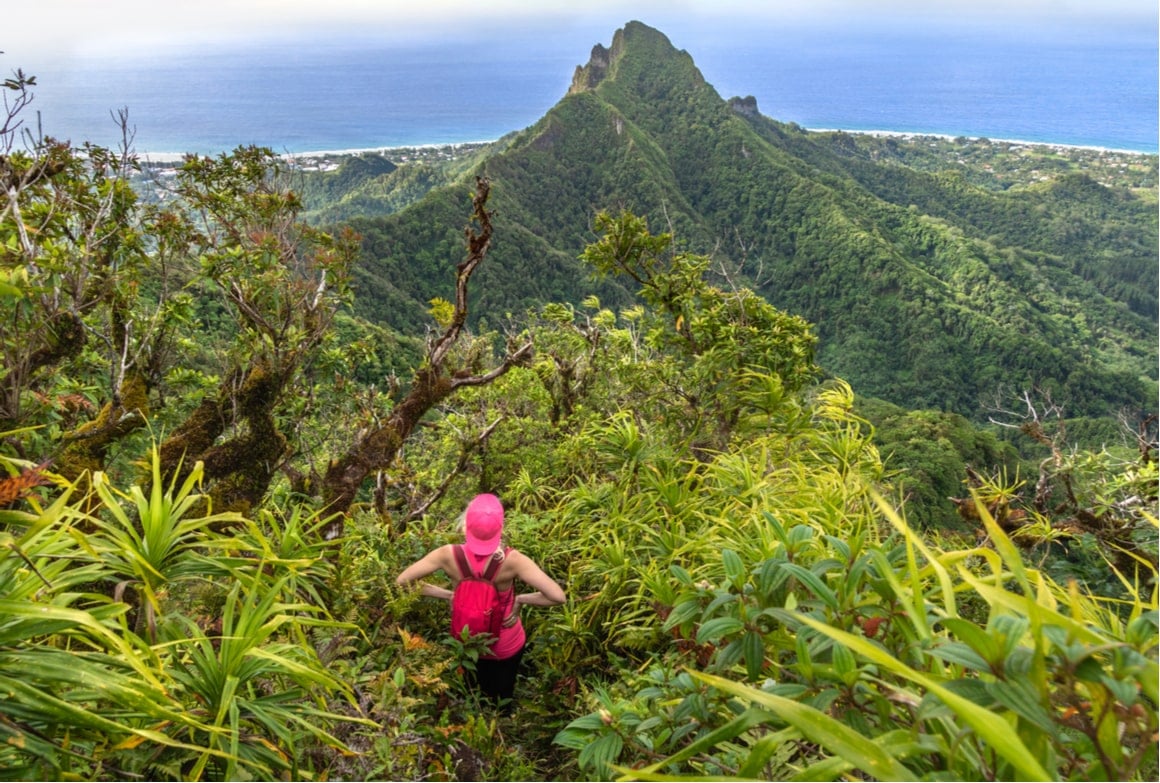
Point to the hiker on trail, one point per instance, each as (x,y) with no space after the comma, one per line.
(483,558)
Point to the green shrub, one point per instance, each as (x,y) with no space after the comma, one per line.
(895,661)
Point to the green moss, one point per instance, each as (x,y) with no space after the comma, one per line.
(239,469)
(195,435)
(88,444)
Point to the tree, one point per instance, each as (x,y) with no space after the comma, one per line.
(715,339)
(282,284)
(202,314)
(72,256)
(1108,497)
(442,372)
(115,311)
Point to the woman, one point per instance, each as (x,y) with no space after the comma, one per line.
(483,531)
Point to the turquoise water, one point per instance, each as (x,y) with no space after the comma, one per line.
(347,94)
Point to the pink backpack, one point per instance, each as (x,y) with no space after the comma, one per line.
(475,602)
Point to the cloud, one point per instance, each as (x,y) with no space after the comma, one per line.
(75,28)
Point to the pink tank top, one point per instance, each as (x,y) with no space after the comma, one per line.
(510,640)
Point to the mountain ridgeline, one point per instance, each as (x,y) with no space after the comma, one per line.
(925,288)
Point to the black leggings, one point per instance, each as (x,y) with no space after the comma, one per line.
(496,678)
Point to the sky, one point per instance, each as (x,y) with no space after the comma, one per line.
(39,31)
(91,54)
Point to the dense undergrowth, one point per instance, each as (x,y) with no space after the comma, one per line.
(760,613)
(746,595)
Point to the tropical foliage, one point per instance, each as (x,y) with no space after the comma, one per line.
(136,652)
(214,465)
(885,658)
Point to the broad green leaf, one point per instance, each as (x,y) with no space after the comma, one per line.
(818,727)
(844,664)
(814,583)
(734,568)
(722,598)
(799,535)
(977,639)
(771,576)
(957,652)
(1010,630)
(730,654)
(778,529)
(754,654)
(682,613)
(840,545)
(583,726)
(600,753)
(714,629)
(996,733)
(1021,698)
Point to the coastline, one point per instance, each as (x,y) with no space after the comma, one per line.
(163,158)
(916,135)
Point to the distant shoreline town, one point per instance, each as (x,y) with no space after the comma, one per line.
(403,150)
(460,148)
(918,136)
(1013,161)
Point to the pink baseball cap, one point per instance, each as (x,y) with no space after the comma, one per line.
(483,525)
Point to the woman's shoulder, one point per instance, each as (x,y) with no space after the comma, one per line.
(512,558)
(446,554)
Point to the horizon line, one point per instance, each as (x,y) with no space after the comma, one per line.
(175,157)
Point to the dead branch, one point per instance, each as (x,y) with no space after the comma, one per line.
(478,243)
(465,453)
(433,382)
(1143,430)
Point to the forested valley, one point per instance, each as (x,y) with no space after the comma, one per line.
(843,448)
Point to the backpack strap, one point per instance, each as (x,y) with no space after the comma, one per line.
(465,571)
(494,565)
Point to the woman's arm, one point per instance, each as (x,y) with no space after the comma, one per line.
(537,598)
(435,560)
(434,591)
(548,593)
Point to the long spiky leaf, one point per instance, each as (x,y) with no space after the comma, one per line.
(816,726)
(996,733)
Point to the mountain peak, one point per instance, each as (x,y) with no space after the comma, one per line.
(588,76)
(746,107)
(633,36)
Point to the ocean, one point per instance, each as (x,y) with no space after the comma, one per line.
(355,93)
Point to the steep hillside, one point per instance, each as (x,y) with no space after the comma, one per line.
(926,290)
